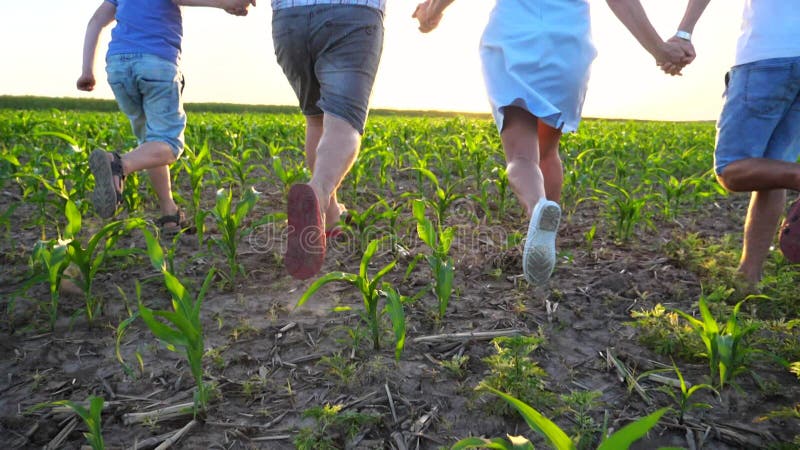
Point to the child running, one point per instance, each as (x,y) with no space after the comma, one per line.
(142,66)
(536,56)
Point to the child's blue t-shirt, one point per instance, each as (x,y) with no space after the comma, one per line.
(147,26)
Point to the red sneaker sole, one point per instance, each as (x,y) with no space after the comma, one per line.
(305,249)
(790,234)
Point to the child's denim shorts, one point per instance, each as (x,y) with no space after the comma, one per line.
(148,90)
(761,115)
(330,55)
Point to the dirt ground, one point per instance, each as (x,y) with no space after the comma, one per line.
(266,357)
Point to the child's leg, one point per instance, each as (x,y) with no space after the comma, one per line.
(148,155)
(550,161)
(521,146)
(159,178)
(154,157)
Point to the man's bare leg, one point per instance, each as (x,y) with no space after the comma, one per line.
(314,130)
(335,154)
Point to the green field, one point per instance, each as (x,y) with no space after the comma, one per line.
(202,334)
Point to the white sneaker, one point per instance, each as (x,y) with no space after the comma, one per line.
(539,254)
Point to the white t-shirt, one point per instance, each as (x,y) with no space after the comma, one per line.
(770,29)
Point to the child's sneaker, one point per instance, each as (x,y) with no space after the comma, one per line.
(790,234)
(539,254)
(107,194)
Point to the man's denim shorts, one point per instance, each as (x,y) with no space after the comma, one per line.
(330,55)
(761,115)
(148,90)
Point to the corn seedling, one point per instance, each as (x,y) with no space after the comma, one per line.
(555,436)
(289,172)
(726,348)
(443,198)
(120,334)
(196,166)
(364,224)
(186,331)
(92,418)
(52,256)
(86,256)
(229,221)
(626,208)
(369,288)
(439,240)
(237,166)
(501,182)
(683,397)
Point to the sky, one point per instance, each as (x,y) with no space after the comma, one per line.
(231,59)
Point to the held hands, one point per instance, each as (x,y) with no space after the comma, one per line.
(238,7)
(427,19)
(86,82)
(674,55)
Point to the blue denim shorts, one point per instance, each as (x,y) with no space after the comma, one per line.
(761,115)
(148,90)
(330,55)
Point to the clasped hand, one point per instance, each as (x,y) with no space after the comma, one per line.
(238,7)
(676,54)
(427,19)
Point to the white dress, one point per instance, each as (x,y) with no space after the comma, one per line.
(536,55)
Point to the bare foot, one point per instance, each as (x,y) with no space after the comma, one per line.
(333,214)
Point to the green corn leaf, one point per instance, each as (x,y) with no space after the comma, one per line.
(709,323)
(327,278)
(394,306)
(95,406)
(539,423)
(73,220)
(186,328)
(368,254)
(696,324)
(175,288)
(223,204)
(195,314)
(444,273)
(154,251)
(632,432)
(160,330)
(244,207)
(446,239)
(374,283)
(79,409)
(118,342)
(425,228)
(429,175)
(733,321)
(494,444)
(418,210)
(69,139)
(725,348)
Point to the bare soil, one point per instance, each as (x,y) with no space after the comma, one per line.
(265,357)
